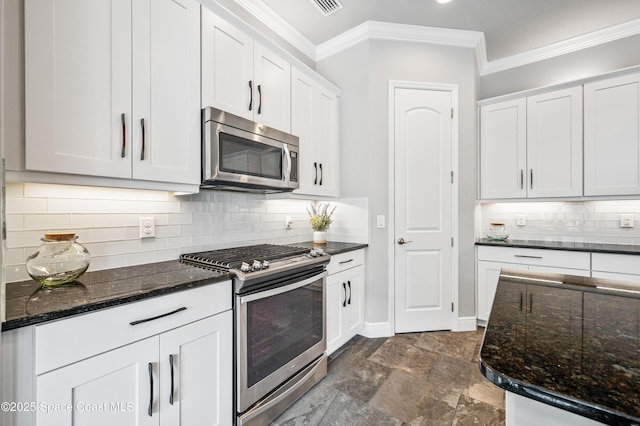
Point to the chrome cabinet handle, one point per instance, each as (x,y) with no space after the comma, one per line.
(344,287)
(124,135)
(315,179)
(158,317)
(150,412)
(320,174)
(521,179)
(349,284)
(171,390)
(259,99)
(402,241)
(142,150)
(527,257)
(345,261)
(250,95)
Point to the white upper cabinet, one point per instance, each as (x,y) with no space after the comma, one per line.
(96,71)
(314,119)
(503,150)
(612,136)
(532,147)
(554,144)
(243,77)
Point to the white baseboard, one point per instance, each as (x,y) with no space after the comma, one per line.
(373,330)
(466,324)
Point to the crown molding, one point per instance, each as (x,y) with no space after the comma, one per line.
(265,14)
(373,30)
(574,44)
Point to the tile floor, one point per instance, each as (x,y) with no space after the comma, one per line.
(409,379)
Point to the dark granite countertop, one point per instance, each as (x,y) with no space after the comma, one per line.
(27,303)
(332,247)
(570,342)
(559,245)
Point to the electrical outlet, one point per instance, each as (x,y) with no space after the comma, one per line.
(147,227)
(288,222)
(521,220)
(626,221)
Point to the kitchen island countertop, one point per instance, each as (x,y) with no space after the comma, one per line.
(569,342)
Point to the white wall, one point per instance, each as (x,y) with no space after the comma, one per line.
(363,73)
(106,221)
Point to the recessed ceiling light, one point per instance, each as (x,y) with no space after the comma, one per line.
(443,1)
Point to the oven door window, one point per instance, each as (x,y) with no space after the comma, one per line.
(281,327)
(246,157)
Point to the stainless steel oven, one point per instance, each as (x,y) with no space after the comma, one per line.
(279,324)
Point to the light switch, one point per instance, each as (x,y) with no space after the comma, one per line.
(380,221)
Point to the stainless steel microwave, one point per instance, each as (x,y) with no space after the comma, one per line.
(239,154)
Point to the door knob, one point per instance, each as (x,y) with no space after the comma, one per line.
(402,241)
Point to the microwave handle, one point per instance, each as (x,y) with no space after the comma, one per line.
(286,165)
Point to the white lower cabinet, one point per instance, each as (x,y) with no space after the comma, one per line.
(174,367)
(345,298)
(624,267)
(491,260)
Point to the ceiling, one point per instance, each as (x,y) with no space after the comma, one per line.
(510,27)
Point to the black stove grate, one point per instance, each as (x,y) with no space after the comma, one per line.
(232,258)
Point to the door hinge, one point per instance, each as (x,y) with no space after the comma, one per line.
(451,112)
(451,176)
(452,307)
(451,241)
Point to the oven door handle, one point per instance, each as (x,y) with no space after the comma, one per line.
(279,290)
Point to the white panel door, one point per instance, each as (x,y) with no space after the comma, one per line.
(503,150)
(227,66)
(612,136)
(114,388)
(196,376)
(272,91)
(78,86)
(423,201)
(554,143)
(336,311)
(166,91)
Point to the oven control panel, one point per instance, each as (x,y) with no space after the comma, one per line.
(257,265)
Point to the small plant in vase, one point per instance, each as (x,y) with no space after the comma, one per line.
(320,219)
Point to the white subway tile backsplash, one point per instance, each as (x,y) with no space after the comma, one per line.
(106,221)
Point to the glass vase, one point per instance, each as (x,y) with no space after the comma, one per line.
(60,259)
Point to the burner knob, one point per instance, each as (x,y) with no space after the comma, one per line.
(313,253)
(257,265)
(265,264)
(319,251)
(245,267)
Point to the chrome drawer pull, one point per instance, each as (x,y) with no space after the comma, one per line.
(158,317)
(528,257)
(345,261)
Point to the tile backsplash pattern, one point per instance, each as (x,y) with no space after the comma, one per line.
(106,221)
(570,221)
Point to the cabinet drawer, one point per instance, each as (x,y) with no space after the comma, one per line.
(617,263)
(344,261)
(69,340)
(541,257)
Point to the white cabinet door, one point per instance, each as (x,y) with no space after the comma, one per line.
(272,91)
(612,136)
(166,91)
(345,306)
(78,87)
(503,146)
(554,143)
(227,67)
(119,387)
(314,119)
(488,274)
(336,302)
(196,373)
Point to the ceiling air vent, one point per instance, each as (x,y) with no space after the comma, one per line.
(327,7)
